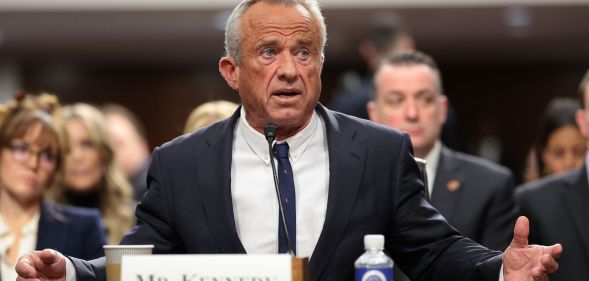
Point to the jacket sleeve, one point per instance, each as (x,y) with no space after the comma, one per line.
(422,242)
(154,222)
(501,216)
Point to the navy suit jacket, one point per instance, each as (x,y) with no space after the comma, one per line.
(374,187)
(70,230)
(476,197)
(558,209)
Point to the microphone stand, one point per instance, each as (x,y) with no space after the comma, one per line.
(270,132)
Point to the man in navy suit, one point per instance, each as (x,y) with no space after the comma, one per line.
(473,194)
(567,198)
(352,177)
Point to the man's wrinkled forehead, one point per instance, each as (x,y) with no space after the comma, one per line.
(262,13)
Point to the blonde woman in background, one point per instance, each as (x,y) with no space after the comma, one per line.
(209,113)
(31,156)
(91,177)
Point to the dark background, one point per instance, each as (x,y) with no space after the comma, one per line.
(501,64)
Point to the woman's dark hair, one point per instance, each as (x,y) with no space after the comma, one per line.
(559,113)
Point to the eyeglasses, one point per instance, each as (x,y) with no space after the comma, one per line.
(21,153)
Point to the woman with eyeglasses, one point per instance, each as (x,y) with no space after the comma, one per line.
(31,148)
(92,178)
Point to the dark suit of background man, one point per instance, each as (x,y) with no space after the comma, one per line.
(558,208)
(473,194)
(198,194)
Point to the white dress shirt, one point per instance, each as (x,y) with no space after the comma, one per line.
(255,204)
(432,160)
(28,242)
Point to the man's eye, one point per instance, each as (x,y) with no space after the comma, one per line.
(395,100)
(426,100)
(304,53)
(268,53)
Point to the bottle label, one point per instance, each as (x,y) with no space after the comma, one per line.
(374,274)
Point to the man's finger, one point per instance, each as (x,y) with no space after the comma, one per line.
(555,250)
(25,266)
(549,263)
(538,275)
(27,279)
(521,232)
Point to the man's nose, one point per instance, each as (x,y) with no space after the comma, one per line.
(411,111)
(287,70)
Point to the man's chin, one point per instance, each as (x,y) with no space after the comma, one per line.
(290,118)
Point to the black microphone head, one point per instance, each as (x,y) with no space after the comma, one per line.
(270,131)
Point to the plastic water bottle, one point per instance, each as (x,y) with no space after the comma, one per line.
(374,264)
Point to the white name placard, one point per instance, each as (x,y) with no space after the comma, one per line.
(207,268)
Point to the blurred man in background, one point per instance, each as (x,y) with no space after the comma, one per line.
(475,195)
(386,36)
(132,152)
(567,198)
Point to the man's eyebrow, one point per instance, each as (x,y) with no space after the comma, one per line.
(305,41)
(393,93)
(265,42)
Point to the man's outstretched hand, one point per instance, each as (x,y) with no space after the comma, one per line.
(46,265)
(523,262)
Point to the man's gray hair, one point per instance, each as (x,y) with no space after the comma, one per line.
(233,31)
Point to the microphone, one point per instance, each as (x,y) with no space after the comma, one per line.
(270,132)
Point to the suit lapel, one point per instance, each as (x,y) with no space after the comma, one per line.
(214,182)
(448,184)
(576,199)
(52,232)
(346,159)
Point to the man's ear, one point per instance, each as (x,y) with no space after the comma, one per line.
(582,122)
(443,108)
(371,109)
(230,71)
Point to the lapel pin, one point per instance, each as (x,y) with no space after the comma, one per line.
(453,185)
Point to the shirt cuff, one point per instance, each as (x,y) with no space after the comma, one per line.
(500,274)
(70,271)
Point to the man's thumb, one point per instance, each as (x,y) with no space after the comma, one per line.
(49,256)
(521,232)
